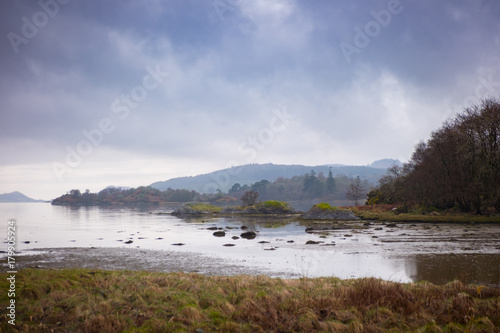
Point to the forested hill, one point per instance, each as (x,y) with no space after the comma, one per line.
(251,173)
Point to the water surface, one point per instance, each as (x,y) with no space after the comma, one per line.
(403,252)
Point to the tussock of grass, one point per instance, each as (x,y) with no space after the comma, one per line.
(80,300)
(325,206)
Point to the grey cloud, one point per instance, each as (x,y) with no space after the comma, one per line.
(227,74)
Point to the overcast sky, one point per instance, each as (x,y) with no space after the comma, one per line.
(95,93)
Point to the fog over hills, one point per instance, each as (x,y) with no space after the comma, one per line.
(251,173)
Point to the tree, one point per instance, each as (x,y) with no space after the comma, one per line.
(75,194)
(330,183)
(355,191)
(235,188)
(261,187)
(249,198)
(312,185)
(88,198)
(458,167)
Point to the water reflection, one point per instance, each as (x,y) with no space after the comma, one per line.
(400,252)
(442,268)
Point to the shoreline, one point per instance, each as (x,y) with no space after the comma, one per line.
(136,259)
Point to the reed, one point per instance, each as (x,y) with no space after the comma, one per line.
(80,300)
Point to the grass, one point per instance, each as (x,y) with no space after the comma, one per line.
(79,300)
(273,206)
(387,213)
(325,206)
(203,207)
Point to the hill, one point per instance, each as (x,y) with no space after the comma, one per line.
(251,173)
(16,197)
(385,163)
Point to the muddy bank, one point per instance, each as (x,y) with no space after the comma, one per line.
(138,260)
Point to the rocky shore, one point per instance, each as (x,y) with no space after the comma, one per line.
(270,207)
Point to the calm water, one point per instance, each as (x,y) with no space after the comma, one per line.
(406,252)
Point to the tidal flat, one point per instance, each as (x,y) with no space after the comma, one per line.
(401,252)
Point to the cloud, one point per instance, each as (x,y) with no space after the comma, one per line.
(230,64)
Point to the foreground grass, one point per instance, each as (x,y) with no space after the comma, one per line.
(77,300)
(385,213)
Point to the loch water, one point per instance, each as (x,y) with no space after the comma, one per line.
(401,252)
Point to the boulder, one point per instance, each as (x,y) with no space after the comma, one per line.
(248,235)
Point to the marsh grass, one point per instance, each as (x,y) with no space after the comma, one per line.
(204,207)
(386,213)
(78,300)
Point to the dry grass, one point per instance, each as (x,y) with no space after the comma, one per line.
(103,301)
(387,213)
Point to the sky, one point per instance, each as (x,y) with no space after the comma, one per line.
(126,93)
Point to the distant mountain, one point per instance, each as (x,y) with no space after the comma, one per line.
(251,173)
(385,163)
(16,197)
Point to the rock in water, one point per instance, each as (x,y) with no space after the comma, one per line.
(248,235)
(219,234)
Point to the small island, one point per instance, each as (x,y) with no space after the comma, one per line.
(322,211)
(325,211)
(269,207)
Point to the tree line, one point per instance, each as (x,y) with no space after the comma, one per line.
(305,187)
(141,195)
(458,167)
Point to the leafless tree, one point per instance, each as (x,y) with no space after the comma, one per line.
(459,166)
(249,198)
(355,191)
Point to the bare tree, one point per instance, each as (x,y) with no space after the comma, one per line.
(459,166)
(249,198)
(355,191)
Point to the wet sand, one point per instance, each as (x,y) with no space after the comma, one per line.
(138,260)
